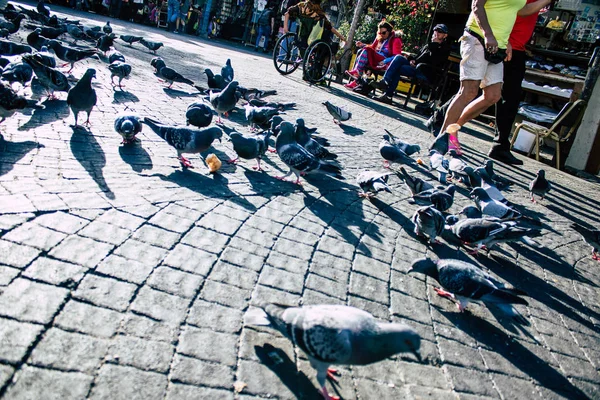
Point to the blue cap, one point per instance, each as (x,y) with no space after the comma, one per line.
(441,28)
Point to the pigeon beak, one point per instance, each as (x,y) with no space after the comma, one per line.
(410,270)
(418,355)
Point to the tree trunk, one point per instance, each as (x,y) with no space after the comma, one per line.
(345,62)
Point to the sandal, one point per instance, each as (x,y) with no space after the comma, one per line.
(351,85)
(352,74)
(453,144)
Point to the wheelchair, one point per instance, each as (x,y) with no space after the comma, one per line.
(316,60)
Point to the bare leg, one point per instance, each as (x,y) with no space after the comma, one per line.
(491,95)
(466,94)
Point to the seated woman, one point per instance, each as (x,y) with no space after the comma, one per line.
(432,54)
(378,54)
(309,13)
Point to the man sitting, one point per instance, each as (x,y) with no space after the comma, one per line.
(432,54)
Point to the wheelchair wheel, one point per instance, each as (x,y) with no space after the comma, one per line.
(317,61)
(286,54)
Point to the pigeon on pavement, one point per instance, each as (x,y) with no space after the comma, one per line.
(227,72)
(14,25)
(171,76)
(416,185)
(539,185)
(215,81)
(440,144)
(43,9)
(185,140)
(491,207)
(17,72)
(153,46)
(591,237)
(82,96)
(337,335)
(69,54)
(298,158)
(471,212)
(304,139)
(279,106)
(75,32)
(105,42)
(463,282)
(50,78)
(407,148)
(260,116)
(456,166)
(119,69)
(500,181)
(373,182)
(429,222)
(10,101)
(250,147)
(130,39)
(225,100)
(36,40)
(441,199)
(45,57)
(157,63)
(115,56)
(199,115)
(107,28)
(488,185)
(392,153)
(128,126)
(339,114)
(8,48)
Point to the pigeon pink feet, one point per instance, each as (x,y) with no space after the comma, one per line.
(326,394)
(185,162)
(233,160)
(331,374)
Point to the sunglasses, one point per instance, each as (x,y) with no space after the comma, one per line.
(383,33)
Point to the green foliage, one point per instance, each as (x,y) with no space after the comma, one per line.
(366,30)
(411,17)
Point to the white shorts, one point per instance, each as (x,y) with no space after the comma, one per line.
(474,66)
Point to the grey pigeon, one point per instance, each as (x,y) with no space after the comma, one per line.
(43,9)
(491,207)
(14,25)
(45,57)
(456,166)
(500,181)
(338,113)
(591,237)
(51,79)
(280,106)
(92,33)
(10,101)
(250,147)
(539,185)
(157,63)
(121,70)
(471,212)
(440,164)
(473,180)
(298,158)
(304,139)
(441,199)
(107,28)
(488,185)
(199,115)
(105,42)
(337,335)
(440,144)
(392,153)
(130,39)
(429,222)
(214,81)
(373,182)
(185,140)
(171,76)
(51,32)
(153,46)
(254,93)
(463,282)
(82,96)
(301,125)
(415,184)
(115,56)
(4,33)
(36,40)
(260,116)
(128,126)
(227,72)
(225,100)
(407,148)
(69,54)
(18,72)
(76,33)
(8,48)
(275,121)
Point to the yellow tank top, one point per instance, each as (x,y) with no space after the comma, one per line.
(501,15)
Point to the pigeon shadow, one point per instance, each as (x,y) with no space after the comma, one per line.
(51,110)
(278,361)
(515,353)
(266,185)
(396,216)
(12,152)
(176,93)
(90,155)
(136,156)
(351,130)
(123,96)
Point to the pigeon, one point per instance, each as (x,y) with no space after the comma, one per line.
(440,144)
(128,126)
(429,222)
(471,212)
(50,78)
(171,76)
(473,179)
(4,33)
(105,42)
(227,72)
(337,335)
(225,100)
(456,166)
(36,40)
(51,33)
(93,33)
(260,116)
(42,8)
(488,185)
(279,106)
(69,54)
(4,62)
(107,28)
(339,114)
(463,282)
(153,46)
(199,115)
(115,56)
(591,237)
(130,39)
(392,153)
(214,81)
(254,93)
(304,139)
(82,96)
(250,147)
(408,149)
(373,182)
(491,207)
(18,72)
(119,69)
(539,185)
(10,101)
(415,185)
(441,199)
(8,48)
(157,63)
(498,180)
(298,158)
(76,33)
(440,164)
(14,25)
(275,121)
(185,140)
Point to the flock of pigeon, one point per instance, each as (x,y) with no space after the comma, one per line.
(328,334)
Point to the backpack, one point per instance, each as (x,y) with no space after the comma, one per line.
(265,18)
(437,119)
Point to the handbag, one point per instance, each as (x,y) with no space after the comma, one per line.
(494,58)
(316,32)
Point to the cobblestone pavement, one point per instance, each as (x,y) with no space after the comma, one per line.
(124,277)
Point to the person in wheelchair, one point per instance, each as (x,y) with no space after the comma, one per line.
(422,66)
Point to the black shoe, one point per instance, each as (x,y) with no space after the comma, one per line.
(381,85)
(384,99)
(504,156)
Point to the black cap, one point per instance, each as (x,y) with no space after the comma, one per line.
(441,28)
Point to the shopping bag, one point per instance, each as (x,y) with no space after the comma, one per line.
(316,32)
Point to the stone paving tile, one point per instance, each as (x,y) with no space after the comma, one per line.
(120,382)
(372,267)
(105,233)
(214,316)
(85,318)
(6,373)
(190,259)
(192,371)
(156,236)
(188,392)
(241,258)
(139,251)
(123,269)
(16,338)
(16,203)
(171,222)
(7,274)
(224,294)
(81,251)
(208,345)
(369,288)
(205,239)
(30,301)
(105,292)
(9,221)
(37,383)
(55,272)
(233,275)
(121,219)
(264,294)
(282,280)
(287,263)
(143,354)
(472,382)
(16,255)
(160,306)
(69,351)
(327,286)
(148,329)
(175,282)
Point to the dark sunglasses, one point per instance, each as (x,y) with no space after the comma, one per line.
(383,33)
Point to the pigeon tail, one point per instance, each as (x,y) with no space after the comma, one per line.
(257,317)
(155,126)
(331,169)
(503,296)
(513,313)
